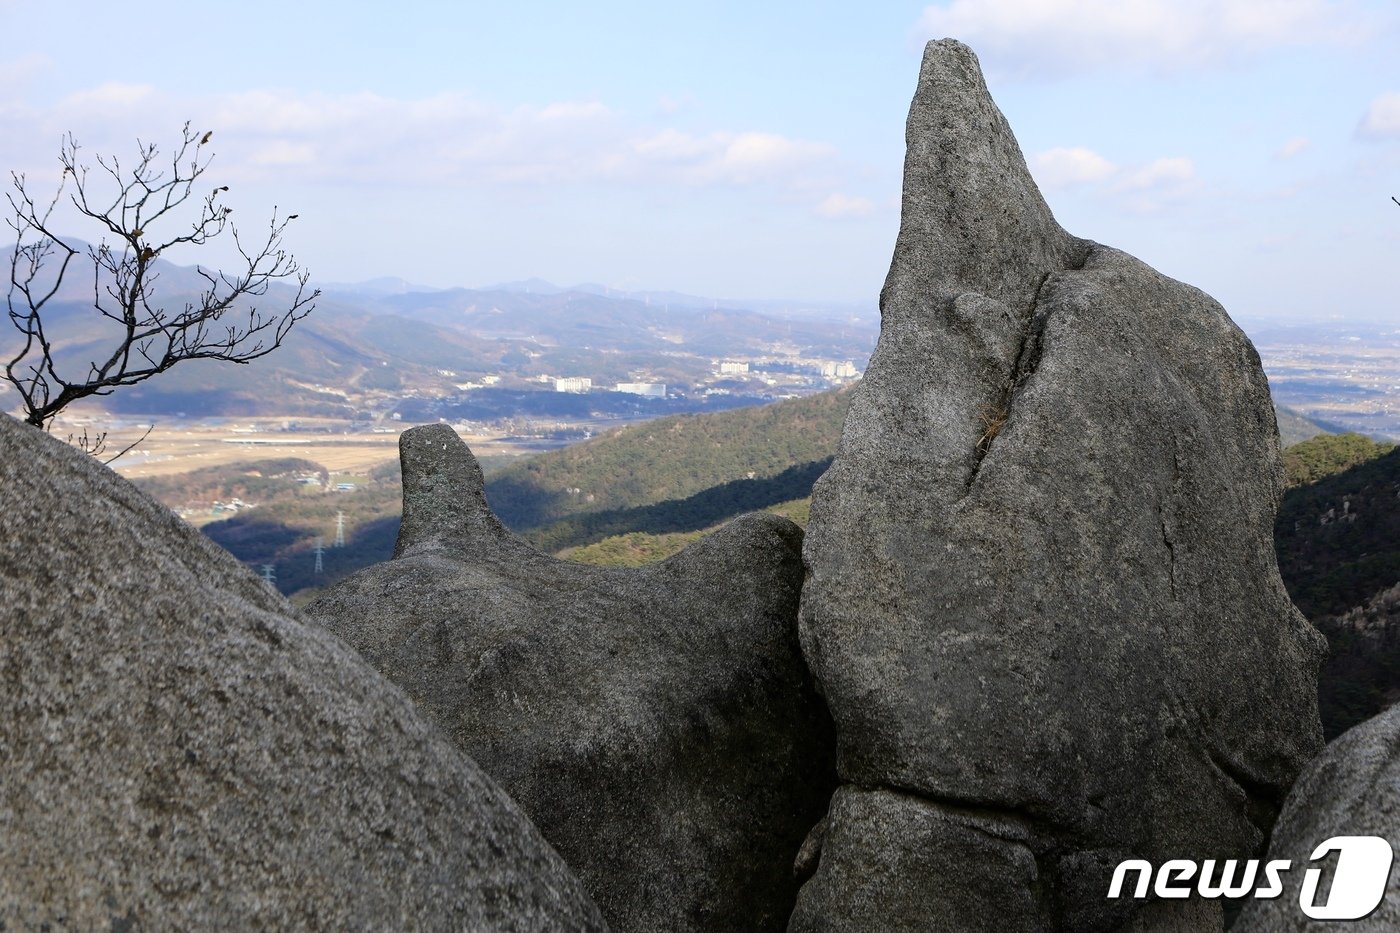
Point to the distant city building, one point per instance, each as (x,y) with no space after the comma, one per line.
(649,389)
(573,384)
(834,370)
(733,368)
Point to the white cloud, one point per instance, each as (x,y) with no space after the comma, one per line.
(668,106)
(283,153)
(574,110)
(111,94)
(727,158)
(837,206)
(1065,167)
(1140,188)
(445,139)
(751,155)
(22,70)
(1382,120)
(1060,37)
(671,146)
(1294,146)
(1160,175)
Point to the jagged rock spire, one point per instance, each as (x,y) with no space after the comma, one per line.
(444,494)
(990,232)
(1042,601)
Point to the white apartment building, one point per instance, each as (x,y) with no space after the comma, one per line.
(649,389)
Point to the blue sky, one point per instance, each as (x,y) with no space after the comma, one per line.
(1249,147)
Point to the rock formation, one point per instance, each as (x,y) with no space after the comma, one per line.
(657,724)
(1042,602)
(178,751)
(1352,789)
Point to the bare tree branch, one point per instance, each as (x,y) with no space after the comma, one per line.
(88,444)
(129,447)
(149,337)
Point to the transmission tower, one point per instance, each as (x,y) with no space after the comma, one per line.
(340,529)
(320,550)
(269,574)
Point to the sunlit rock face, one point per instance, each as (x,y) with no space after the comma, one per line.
(1042,601)
(658,724)
(178,751)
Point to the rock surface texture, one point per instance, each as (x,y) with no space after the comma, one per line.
(177,751)
(1042,601)
(1351,789)
(657,724)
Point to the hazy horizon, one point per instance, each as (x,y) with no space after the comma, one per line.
(1246,147)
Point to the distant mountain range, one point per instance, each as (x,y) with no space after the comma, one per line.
(784,309)
(367,344)
(374,347)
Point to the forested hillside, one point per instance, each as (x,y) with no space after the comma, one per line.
(1294,428)
(1361,676)
(261,481)
(670,478)
(669,459)
(1338,542)
(677,475)
(1338,539)
(635,548)
(1328,454)
(705,509)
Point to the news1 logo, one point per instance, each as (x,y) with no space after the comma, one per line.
(1358,884)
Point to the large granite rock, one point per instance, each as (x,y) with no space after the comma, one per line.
(657,724)
(177,751)
(1042,601)
(1351,789)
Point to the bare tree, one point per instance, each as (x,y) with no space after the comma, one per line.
(127,206)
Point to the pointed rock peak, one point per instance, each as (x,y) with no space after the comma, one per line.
(444,493)
(973,219)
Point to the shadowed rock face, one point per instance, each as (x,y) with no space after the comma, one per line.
(1042,600)
(177,751)
(657,724)
(1351,789)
